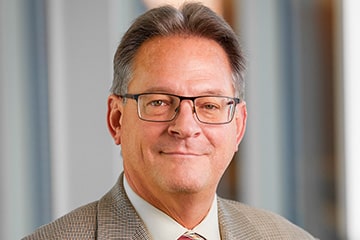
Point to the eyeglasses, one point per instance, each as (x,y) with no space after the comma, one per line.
(160,107)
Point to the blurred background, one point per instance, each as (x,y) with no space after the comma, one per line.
(300,154)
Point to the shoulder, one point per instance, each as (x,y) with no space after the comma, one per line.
(257,222)
(111,214)
(78,224)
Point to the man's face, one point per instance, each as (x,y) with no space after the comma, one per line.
(184,155)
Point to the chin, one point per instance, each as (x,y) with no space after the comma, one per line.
(186,185)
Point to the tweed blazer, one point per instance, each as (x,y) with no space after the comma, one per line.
(114,217)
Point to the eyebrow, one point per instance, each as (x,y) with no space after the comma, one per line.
(170,91)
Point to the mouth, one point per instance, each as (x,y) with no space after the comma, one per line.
(180,153)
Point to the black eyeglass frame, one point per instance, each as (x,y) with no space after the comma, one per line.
(136,98)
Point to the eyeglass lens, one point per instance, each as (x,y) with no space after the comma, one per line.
(164,107)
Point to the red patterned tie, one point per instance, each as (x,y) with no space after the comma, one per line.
(191,235)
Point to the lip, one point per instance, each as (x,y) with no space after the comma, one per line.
(180,153)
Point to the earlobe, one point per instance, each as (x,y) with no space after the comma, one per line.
(114,114)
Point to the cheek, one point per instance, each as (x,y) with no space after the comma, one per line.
(140,136)
(224,141)
(131,136)
(226,138)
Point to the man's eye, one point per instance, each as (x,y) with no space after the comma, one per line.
(156,103)
(210,106)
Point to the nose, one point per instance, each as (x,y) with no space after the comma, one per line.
(185,123)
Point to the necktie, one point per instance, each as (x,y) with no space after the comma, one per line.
(191,235)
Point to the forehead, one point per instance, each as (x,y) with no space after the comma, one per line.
(179,61)
(161,49)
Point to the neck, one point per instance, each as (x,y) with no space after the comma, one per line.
(188,209)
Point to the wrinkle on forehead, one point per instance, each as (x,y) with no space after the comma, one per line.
(179,58)
(155,51)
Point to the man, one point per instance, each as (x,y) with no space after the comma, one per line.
(178,112)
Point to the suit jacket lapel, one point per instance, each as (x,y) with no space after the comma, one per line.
(234,225)
(117,218)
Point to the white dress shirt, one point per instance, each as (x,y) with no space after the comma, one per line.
(163,227)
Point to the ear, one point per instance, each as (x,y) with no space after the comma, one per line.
(240,117)
(114,115)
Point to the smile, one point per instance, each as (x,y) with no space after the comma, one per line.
(183,154)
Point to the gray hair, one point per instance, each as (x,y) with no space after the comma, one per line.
(192,19)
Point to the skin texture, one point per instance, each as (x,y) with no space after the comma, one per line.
(176,166)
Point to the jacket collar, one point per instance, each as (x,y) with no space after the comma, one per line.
(234,223)
(117,217)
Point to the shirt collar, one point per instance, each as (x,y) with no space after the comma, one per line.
(163,227)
